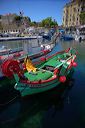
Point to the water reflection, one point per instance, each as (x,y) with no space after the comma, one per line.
(60,107)
(31,110)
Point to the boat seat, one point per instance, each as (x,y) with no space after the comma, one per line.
(48,68)
(62,60)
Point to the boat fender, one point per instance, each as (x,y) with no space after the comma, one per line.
(45,51)
(74,64)
(43,58)
(62,79)
(67,50)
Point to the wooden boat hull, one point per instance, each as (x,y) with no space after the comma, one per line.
(31,89)
(47,74)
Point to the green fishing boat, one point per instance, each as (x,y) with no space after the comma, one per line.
(42,76)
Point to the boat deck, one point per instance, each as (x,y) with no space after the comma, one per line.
(46,70)
(55,61)
(39,75)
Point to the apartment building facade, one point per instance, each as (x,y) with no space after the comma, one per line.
(71,13)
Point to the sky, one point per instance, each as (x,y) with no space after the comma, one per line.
(37,10)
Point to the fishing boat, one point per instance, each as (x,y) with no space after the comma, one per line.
(44,75)
(19,56)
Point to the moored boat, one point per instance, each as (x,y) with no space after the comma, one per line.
(4,50)
(67,37)
(19,56)
(45,75)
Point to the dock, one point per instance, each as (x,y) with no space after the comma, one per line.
(19,38)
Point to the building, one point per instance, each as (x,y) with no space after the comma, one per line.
(71,13)
(7,23)
(7,18)
(13,23)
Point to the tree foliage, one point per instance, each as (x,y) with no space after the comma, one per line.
(34,23)
(17,18)
(82,17)
(27,18)
(48,22)
(21,20)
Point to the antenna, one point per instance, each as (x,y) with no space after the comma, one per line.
(21,13)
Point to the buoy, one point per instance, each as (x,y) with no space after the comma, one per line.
(43,59)
(67,50)
(45,51)
(74,64)
(62,79)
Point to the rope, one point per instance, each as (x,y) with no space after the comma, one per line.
(8,101)
(12,99)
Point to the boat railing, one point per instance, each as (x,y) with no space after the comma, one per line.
(64,61)
(69,58)
(44,70)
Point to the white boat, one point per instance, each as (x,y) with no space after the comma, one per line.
(80,37)
(80,33)
(46,47)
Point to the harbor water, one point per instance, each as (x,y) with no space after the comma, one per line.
(28,45)
(61,107)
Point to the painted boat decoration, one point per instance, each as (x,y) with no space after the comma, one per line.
(45,75)
(20,57)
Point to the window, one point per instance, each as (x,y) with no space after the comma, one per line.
(74,9)
(82,8)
